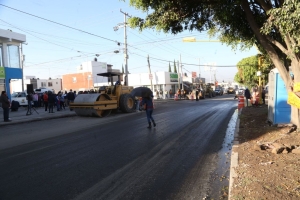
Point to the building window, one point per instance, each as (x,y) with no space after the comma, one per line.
(49,84)
(13,56)
(74,80)
(43,84)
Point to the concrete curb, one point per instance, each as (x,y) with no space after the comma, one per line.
(37,119)
(234,156)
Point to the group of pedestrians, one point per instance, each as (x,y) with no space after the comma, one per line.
(255,96)
(50,100)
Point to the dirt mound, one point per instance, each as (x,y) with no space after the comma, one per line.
(268,158)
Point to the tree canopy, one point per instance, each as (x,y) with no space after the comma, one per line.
(247,71)
(175,69)
(271,25)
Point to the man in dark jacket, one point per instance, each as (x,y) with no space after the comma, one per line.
(5,105)
(247,95)
(51,101)
(71,97)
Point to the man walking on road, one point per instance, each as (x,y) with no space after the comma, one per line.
(5,105)
(147,103)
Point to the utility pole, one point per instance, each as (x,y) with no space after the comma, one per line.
(125,45)
(150,75)
(178,75)
(22,60)
(181,73)
(199,71)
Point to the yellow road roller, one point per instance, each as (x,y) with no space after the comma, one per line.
(109,98)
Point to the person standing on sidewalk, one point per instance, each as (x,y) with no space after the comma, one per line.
(5,106)
(35,99)
(45,98)
(51,101)
(247,95)
(148,106)
(29,99)
(263,95)
(65,99)
(71,97)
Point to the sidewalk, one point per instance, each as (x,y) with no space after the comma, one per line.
(40,114)
(265,159)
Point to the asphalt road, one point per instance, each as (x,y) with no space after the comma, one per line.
(116,157)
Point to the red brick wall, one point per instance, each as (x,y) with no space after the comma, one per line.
(81,82)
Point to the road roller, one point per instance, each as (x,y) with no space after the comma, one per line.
(109,98)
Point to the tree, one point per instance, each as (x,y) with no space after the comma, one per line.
(175,69)
(247,71)
(272,25)
(170,67)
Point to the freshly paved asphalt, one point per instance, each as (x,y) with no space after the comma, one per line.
(116,157)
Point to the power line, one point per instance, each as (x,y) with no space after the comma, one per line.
(61,24)
(186,63)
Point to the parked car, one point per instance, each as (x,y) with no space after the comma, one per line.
(20,97)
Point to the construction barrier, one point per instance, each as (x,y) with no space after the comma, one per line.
(175,97)
(255,101)
(241,102)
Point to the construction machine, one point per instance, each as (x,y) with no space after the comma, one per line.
(210,91)
(109,98)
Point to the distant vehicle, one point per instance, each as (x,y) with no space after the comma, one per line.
(209,91)
(42,90)
(241,91)
(219,91)
(230,90)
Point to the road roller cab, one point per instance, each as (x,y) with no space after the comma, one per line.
(113,97)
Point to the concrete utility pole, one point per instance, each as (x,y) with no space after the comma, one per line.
(199,71)
(178,75)
(124,24)
(22,61)
(125,50)
(150,75)
(181,73)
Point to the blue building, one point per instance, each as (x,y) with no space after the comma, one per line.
(10,58)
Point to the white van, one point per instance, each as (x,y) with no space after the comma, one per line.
(20,97)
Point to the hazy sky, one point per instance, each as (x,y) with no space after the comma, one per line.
(53,50)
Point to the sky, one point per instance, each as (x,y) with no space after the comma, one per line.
(60,35)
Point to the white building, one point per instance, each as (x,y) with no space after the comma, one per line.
(52,84)
(161,81)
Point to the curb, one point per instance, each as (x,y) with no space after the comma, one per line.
(38,119)
(234,156)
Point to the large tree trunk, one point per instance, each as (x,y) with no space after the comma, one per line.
(269,47)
